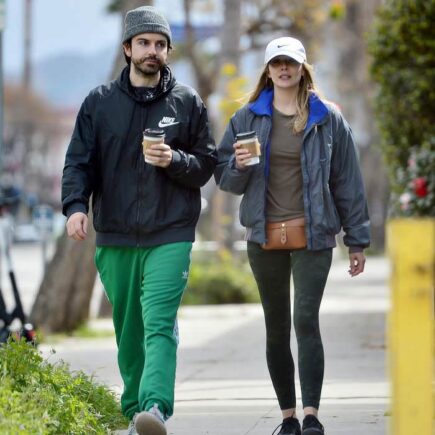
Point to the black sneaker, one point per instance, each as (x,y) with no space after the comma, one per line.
(289,426)
(312,426)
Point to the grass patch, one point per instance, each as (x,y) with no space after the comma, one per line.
(84,331)
(224,281)
(37,397)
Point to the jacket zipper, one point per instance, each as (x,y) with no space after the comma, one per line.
(266,178)
(310,244)
(141,168)
(138,165)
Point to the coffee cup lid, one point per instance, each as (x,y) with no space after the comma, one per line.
(246,135)
(154,132)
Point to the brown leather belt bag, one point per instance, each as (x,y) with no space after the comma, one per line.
(286,234)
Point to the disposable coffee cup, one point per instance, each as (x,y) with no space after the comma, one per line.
(152,136)
(249,141)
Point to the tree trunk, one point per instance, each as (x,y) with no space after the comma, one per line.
(206,82)
(64,296)
(355,92)
(62,303)
(224,203)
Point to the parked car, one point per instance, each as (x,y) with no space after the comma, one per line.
(26,233)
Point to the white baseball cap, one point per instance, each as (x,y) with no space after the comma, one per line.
(285,46)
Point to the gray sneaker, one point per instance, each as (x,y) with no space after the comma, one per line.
(150,422)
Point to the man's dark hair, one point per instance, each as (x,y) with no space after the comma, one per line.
(127,58)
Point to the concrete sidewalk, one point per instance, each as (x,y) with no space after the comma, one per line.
(223,386)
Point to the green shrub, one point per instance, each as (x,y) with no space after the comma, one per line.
(220,282)
(402,45)
(37,397)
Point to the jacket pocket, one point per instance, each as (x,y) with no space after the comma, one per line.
(332,219)
(252,208)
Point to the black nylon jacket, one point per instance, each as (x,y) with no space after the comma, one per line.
(134,203)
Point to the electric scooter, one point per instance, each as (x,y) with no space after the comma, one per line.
(26,331)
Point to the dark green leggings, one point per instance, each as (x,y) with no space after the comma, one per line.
(272,271)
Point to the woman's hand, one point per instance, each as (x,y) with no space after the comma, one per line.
(242,156)
(357,261)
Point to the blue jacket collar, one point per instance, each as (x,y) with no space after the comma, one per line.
(263,106)
(317,111)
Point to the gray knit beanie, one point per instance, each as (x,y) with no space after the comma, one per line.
(145,19)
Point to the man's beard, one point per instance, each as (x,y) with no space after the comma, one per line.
(147,70)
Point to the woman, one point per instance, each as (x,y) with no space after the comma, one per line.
(309,173)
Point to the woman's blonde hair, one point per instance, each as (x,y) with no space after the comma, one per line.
(306,87)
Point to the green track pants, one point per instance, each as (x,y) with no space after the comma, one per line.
(145,287)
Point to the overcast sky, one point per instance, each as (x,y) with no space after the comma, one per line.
(58,25)
(66,25)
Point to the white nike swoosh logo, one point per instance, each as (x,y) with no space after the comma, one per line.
(167,124)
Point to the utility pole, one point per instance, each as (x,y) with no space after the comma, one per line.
(2,26)
(27,76)
(27,127)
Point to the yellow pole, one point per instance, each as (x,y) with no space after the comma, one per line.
(411,325)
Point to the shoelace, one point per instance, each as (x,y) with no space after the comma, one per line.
(282,425)
(278,427)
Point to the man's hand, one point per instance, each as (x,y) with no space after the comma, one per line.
(357,261)
(77,226)
(159,155)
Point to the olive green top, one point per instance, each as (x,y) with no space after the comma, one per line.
(284,190)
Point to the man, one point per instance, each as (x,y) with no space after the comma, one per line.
(145,213)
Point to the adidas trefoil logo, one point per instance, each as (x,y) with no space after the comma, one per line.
(185,274)
(166,121)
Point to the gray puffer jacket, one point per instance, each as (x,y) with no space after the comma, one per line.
(333,189)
